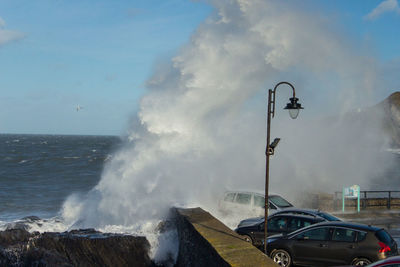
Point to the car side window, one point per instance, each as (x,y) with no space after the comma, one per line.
(277,224)
(243,198)
(229,197)
(321,234)
(344,235)
(361,236)
(294,224)
(259,201)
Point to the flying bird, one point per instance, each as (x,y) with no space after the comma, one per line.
(78,107)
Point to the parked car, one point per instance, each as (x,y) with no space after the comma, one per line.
(251,203)
(311,212)
(331,244)
(253,229)
(389,262)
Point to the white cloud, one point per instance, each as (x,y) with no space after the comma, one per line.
(384,7)
(7,36)
(2,23)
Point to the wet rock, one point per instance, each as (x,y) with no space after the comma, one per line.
(13,237)
(86,247)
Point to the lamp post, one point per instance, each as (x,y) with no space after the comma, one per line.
(294,109)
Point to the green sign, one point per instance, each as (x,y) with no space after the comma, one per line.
(351,192)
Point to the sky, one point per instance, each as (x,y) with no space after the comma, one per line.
(56,55)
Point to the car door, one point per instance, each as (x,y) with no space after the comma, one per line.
(243,204)
(277,224)
(258,234)
(343,247)
(310,247)
(228,203)
(258,205)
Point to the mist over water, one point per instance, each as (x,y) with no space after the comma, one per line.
(200,129)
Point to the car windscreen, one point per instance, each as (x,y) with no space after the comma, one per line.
(384,237)
(279,201)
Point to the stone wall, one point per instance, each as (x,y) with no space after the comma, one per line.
(205,241)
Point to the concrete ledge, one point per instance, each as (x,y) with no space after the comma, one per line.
(205,241)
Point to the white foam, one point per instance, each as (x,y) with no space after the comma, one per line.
(200,129)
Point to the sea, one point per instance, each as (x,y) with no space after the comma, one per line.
(38,172)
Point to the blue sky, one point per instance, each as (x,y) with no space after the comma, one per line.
(57,54)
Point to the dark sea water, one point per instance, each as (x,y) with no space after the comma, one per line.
(38,172)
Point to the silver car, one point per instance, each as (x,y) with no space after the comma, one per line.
(251,203)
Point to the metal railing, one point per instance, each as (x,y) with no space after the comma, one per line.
(373,198)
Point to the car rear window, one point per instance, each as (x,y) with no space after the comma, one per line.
(384,237)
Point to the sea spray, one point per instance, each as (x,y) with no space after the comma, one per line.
(200,129)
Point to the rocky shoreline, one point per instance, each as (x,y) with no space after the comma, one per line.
(85,247)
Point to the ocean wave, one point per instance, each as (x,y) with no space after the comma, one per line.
(35,224)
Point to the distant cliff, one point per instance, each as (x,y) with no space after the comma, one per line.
(391,118)
(377,126)
(374,133)
(357,147)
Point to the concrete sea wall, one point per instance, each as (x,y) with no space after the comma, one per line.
(205,241)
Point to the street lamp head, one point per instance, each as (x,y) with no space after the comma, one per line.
(293,107)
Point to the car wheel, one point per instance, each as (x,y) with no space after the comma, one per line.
(360,262)
(281,257)
(248,238)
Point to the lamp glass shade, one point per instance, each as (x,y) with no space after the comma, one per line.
(294,112)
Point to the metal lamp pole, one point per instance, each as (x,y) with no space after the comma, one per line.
(293,108)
